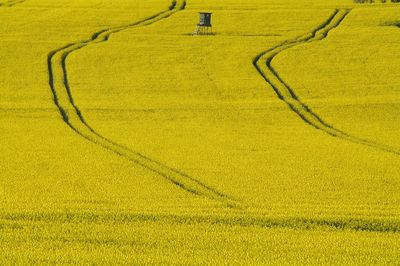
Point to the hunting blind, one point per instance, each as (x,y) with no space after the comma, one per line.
(204,26)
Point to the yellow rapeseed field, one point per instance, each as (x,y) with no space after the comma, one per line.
(127,139)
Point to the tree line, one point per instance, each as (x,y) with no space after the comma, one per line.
(373,1)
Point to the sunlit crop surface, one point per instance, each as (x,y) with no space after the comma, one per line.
(126,139)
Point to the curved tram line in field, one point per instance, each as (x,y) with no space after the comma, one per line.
(72,116)
(262,63)
(11,3)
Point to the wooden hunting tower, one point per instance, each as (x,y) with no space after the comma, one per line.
(204,27)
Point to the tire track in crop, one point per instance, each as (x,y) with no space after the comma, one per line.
(355,224)
(11,3)
(262,63)
(72,116)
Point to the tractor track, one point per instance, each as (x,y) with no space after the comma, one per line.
(72,116)
(388,225)
(11,3)
(262,63)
